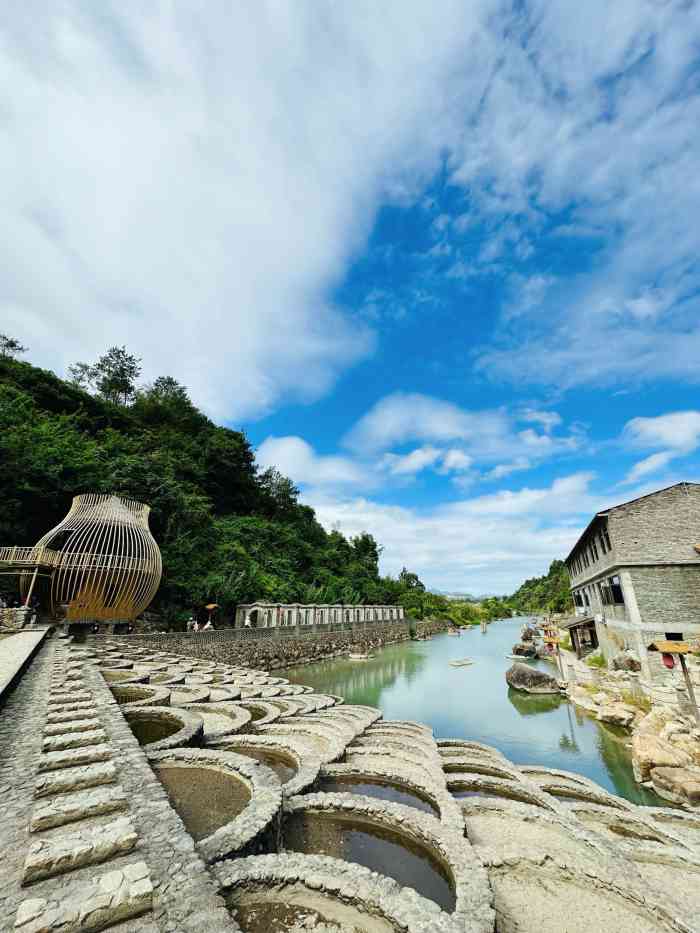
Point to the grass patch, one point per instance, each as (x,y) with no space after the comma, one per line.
(596,660)
(638,700)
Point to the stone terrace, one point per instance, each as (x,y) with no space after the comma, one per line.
(91,840)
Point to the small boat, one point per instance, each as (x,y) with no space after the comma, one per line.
(462,662)
(360,657)
(520,657)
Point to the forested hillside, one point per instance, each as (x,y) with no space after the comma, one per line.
(549,593)
(228,532)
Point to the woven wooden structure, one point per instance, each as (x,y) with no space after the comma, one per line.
(102,561)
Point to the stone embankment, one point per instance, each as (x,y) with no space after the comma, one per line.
(288,811)
(665,738)
(286,648)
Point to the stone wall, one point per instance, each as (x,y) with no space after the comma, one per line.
(661,527)
(285,651)
(668,597)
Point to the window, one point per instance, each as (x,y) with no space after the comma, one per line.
(578,601)
(594,550)
(616,590)
(605,593)
(603,545)
(607,539)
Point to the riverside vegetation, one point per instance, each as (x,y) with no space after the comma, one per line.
(229,532)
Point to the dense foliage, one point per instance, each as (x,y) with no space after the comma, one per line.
(228,532)
(549,593)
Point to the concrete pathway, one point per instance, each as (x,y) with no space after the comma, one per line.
(15,652)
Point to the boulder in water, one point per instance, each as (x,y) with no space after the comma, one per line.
(529,679)
(525,651)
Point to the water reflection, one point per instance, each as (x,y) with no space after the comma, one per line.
(414,680)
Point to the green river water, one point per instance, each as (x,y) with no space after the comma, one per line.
(413,680)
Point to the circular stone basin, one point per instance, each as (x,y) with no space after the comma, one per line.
(168,677)
(160,727)
(261,713)
(198,679)
(297,907)
(283,765)
(204,798)
(227,802)
(113,676)
(141,695)
(464,788)
(223,692)
(385,851)
(181,696)
(382,790)
(220,719)
(270,894)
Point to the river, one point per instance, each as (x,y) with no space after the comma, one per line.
(413,680)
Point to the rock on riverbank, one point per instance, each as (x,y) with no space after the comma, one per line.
(529,679)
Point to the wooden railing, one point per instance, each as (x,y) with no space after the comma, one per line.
(29,556)
(45,557)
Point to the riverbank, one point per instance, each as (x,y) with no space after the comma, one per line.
(416,681)
(272,649)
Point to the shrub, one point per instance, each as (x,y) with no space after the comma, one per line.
(638,700)
(596,660)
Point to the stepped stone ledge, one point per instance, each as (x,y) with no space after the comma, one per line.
(60,854)
(70,807)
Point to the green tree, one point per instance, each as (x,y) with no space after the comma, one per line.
(10,347)
(113,376)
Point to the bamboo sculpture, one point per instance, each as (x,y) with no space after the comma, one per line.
(102,559)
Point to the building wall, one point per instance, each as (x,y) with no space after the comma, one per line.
(660,527)
(668,597)
(274,615)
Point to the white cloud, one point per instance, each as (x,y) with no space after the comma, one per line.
(295,458)
(402,416)
(452,460)
(483,436)
(505,469)
(411,463)
(484,544)
(651,464)
(678,430)
(194,186)
(455,460)
(210,178)
(605,130)
(548,419)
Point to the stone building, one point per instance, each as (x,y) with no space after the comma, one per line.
(278,615)
(635,572)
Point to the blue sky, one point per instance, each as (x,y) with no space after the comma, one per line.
(442,270)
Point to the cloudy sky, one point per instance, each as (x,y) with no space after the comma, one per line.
(440,261)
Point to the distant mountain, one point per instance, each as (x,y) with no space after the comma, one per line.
(462,597)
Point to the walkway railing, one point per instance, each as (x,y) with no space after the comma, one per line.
(69,560)
(224,635)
